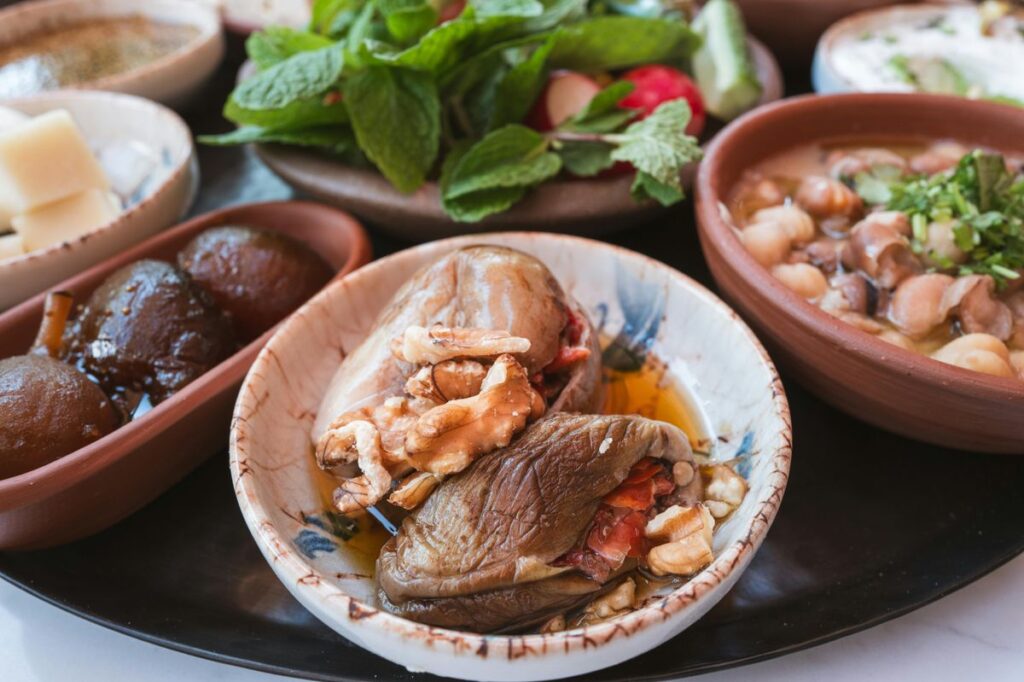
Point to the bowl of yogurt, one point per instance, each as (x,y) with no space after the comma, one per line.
(962,50)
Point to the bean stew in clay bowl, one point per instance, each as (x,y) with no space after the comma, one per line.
(877,242)
(513,456)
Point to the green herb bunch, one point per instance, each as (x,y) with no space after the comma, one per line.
(985,203)
(380,81)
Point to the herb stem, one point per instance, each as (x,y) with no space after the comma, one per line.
(570,136)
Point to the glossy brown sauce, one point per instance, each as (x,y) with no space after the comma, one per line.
(87,51)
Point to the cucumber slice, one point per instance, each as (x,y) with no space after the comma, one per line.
(723,67)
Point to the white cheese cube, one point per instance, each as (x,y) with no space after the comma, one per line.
(10,246)
(44,160)
(65,220)
(10,118)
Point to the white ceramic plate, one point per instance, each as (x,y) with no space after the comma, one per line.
(172,79)
(709,352)
(147,151)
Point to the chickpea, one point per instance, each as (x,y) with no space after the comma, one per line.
(916,306)
(798,224)
(897,221)
(766,193)
(979,352)
(895,338)
(941,245)
(1017,360)
(767,242)
(940,157)
(847,163)
(825,198)
(801,278)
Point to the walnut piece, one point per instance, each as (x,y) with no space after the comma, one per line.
(724,490)
(676,523)
(357,441)
(413,490)
(448,380)
(423,346)
(450,436)
(681,557)
(611,604)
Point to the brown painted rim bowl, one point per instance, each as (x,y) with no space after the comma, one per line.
(126,469)
(877,382)
(172,79)
(575,206)
(710,355)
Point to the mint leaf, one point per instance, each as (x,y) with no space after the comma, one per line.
(325,12)
(647,187)
(658,145)
(396,116)
(438,50)
(585,159)
(516,92)
(407,20)
(336,139)
(277,43)
(495,172)
(614,42)
(602,114)
(302,76)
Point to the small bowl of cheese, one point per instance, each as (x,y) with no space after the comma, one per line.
(84,175)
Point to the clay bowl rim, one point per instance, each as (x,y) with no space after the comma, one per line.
(190,12)
(615,186)
(812,321)
(183,164)
(826,43)
(42,482)
(274,546)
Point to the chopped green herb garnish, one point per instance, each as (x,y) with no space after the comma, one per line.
(986,203)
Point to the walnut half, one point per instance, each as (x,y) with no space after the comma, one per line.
(686,534)
(450,436)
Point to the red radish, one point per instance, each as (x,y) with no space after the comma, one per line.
(565,95)
(656,84)
(450,10)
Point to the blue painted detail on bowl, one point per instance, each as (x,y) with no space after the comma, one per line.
(310,543)
(744,454)
(643,306)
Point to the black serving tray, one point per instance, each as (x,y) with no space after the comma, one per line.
(872,526)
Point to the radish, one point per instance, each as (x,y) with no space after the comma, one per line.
(450,10)
(656,84)
(565,95)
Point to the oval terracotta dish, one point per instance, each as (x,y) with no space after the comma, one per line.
(868,378)
(575,206)
(122,131)
(791,28)
(171,79)
(709,355)
(126,469)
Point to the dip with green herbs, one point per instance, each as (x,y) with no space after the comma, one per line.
(86,52)
(969,51)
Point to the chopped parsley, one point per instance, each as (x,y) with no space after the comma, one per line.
(986,204)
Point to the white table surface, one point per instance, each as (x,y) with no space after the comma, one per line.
(974,634)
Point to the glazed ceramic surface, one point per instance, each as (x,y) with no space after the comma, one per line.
(147,152)
(642,307)
(172,79)
(127,468)
(574,206)
(876,381)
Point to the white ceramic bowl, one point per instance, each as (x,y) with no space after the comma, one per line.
(172,79)
(115,127)
(827,76)
(709,352)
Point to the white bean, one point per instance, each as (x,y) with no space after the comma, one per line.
(767,242)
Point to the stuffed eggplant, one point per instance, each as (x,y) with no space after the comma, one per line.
(469,351)
(543,526)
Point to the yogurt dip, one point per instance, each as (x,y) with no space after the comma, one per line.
(938,49)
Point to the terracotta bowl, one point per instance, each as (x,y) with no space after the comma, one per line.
(791,28)
(126,469)
(706,352)
(116,126)
(574,206)
(870,379)
(172,79)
